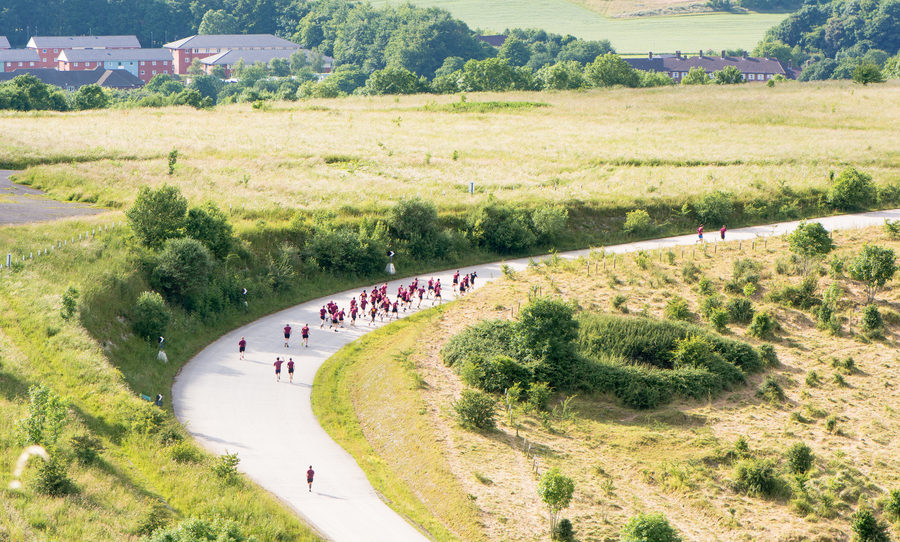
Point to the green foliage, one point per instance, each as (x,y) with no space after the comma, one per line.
(488,338)
(800,458)
(157,215)
(618,302)
(184,452)
(802,296)
(555,490)
(729,75)
(218,21)
(758,478)
(714,207)
(150,317)
(346,251)
(501,228)
(866,73)
(690,272)
(225,466)
(493,75)
(892,228)
(86,448)
(867,528)
(744,271)
(851,190)
(649,528)
(611,70)
(696,76)
(52,479)
(28,93)
(415,221)
(567,75)
(638,222)
(762,326)
(826,314)
(564,531)
(201,530)
(47,416)
(393,80)
(538,395)
(90,97)
(719,319)
(548,222)
(476,410)
(210,226)
(493,374)
(677,309)
(874,266)
(654,79)
(768,355)
(771,390)
(811,242)
(547,330)
(892,505)
(69,303)
(172,160)
(182,272)
(831,424)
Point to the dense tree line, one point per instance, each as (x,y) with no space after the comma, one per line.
(839,38)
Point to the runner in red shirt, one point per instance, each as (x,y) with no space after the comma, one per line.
(437,293)
(304,334)
(700,234)
(242,345)
(277,364)
(373,312)
(287,335)
(291,369)
(309,477)
(340,316)
(322,313)
(334,322)
(353,312)
(421,295)
(722,232)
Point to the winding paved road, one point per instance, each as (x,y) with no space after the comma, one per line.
(21,204)
(234,405)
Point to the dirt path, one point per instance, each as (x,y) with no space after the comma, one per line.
(234,405)
(23,205)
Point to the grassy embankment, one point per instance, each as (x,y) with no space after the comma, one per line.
(598,153)
(678,459)
(649,30)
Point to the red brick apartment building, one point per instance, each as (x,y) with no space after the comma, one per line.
(184,51)
(15,59)
(48,48)
(142,63)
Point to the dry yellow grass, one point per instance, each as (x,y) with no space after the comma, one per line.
(670,460)
(607,147)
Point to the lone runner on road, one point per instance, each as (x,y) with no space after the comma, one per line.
(722,232)
(242,345)
(309,477)
(700,234)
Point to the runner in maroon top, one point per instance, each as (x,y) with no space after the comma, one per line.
(287,335)
(373,312)
(322,313)
(309,477)
(700,234)
(242,345)
(353,312)
(340,316)
(277,364)
(437,293)
(304,334)
(455,280)
(722,232)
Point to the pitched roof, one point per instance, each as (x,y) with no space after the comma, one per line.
(709,63)
(83,42)
(4,43)
(231,57)
(494,39)
(19,55)
(231,41)
(122,79)
(113,55)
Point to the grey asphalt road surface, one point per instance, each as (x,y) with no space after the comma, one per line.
(23,205)
(235,405)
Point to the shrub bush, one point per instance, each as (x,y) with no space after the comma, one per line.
(710,304)
(744,271)
(150,317)
(201,530)
(677,309)
(867,528)
(69,303)
(800,458)
(758,478)
(487,339)
(347,251)
(873,266)
(547,330)
(802,296)
(719,319)
(714,208)
(564,531)
(771,390)
(52,479)
(892,504)
(872,322)
(210,226)
(501,228)
(690,272)
(182,272)
(767,355)
(157,215)
(415,221)
(638,222)
(184,452)
(548,222)
(86,448)
(494,374)
(476,410)
(539,395)
(740,310)
(762,326)
(851,190)
(618,303)
(705,286)
(649,528)
(225,466)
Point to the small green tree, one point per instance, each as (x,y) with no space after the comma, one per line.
(47,416)
(696,76)
(729,75)
(638,222)
(182,271)
(476,410)
(610,70)
(210,226)
(867,73)
(157,215)
(810,241)
(90,97)
(201,530)
(556,491)
(867,528)
(547,330)
(150,316)
(173,159)
(800,458)
(649,528)
(69,303)
(874,266)
(393,80)
(851,190)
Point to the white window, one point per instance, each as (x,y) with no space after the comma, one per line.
(31,63)
(750,76)
(44,50)
(154,72)
(56,50)
(21,64)
(142,72)
(154,63)
(76,64)
(684,74)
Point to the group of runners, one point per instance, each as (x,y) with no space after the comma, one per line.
(722,231)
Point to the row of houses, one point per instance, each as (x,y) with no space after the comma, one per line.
(677,66)
(88,53)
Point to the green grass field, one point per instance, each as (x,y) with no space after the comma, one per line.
(687,33)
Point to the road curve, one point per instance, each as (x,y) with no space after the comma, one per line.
(236,406)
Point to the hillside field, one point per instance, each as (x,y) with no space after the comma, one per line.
(597,20)
(679,459)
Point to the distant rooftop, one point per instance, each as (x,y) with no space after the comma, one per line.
(19,55)
(229,58)
(709,63)
(121,79)
(494,39)
(113,55)
(83,42)
(4,43)
(232,41)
